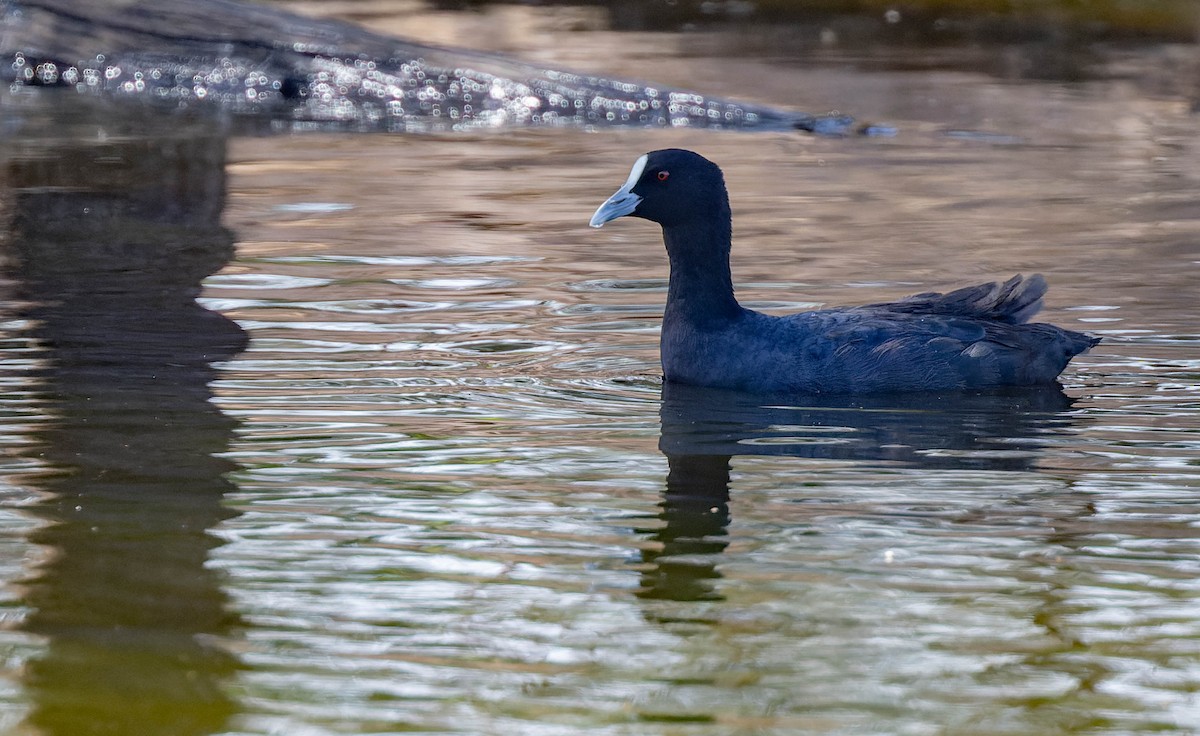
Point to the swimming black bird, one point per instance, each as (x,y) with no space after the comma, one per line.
(974,337)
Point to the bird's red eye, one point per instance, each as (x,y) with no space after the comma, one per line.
(662,175)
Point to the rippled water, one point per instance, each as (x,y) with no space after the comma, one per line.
(411,469)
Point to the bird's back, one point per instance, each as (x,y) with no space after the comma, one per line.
(973,337)
(970,338)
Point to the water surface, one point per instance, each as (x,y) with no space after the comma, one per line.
(411,469)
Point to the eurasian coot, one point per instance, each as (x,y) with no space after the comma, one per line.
(974,337)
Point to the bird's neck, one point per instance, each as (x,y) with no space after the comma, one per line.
(701,286)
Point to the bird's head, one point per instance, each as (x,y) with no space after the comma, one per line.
(670,187)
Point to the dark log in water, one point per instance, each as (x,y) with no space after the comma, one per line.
(261,63)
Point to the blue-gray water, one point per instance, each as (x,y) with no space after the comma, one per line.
(410,469)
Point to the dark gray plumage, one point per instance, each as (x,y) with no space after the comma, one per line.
(974,337)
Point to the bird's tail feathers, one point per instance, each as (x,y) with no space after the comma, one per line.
(1015,301)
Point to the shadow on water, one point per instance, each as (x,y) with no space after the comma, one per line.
(704,429)
(113,219)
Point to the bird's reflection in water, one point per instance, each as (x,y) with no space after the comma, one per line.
(113,223)
(694,513)
(703,429)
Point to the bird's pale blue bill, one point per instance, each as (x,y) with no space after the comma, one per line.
(618,205)
(623,201)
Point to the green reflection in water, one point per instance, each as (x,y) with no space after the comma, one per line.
(114,225)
